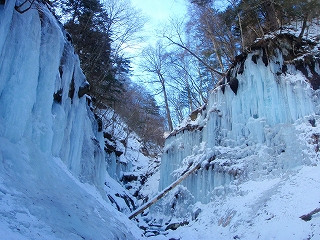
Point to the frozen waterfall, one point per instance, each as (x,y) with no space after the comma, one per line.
(250,125)
(39,93)
(52,171)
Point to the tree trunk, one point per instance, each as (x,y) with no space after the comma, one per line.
(166,102)
(307,217)
(164,192)
(271,15)
(189,95)
(216,49)
(304,26)
(241,32)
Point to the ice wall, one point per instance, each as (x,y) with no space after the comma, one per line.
(40,92)
(249,127)
(52,161)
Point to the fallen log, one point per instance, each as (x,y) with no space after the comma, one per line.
(163,192)
(307,217)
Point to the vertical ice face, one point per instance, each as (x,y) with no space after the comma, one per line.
(248,124)
(40,78)
(263,98)
(52,160)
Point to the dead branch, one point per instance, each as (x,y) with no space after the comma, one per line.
(195,55)
(307,217)
(164,192)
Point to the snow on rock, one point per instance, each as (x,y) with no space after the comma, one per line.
(132,164)
(52,171)
(258,119)
(261,123)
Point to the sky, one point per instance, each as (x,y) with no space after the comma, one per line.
(159,11)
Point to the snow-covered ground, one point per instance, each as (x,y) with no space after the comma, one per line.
(260,209)
(41,199)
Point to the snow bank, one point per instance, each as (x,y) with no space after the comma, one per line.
(260,209)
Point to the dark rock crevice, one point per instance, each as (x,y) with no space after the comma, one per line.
(57,96)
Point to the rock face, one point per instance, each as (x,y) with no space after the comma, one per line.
(251,125)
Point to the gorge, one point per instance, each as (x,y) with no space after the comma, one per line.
(63,175)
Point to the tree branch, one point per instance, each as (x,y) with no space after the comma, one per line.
(198,58)
(164,192)
(307,217)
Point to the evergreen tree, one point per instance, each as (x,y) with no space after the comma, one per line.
(89,25)
(87,22)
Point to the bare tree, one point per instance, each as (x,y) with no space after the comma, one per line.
(175,37)
(154,62)
(125,24)
(215,33)
(186,79)
(144,117)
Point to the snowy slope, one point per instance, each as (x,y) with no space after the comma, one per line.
(52,170)
(41,199)
(260,209)
(257,140)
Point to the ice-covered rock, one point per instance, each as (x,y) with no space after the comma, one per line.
(257,141)
(252,123)
(52,171)
(130,162)
(40,80)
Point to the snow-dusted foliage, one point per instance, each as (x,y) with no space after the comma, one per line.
(52,171)
(261,122)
